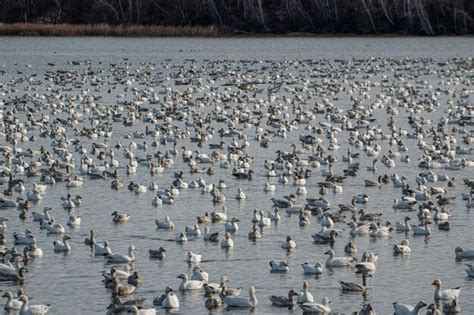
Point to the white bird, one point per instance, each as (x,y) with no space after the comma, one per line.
(288,243)
(11,304)
(403,248)
(316,269)
(74,221)
(180,237)
(192,257)
(337,261)
(121,258)
(193,231)
(461,253)
(238,301)
(27,309)
(62,246)
(102,249)
(405,309)
(322,308)
(232,226)
(189,284)
(240,194)
(164,224)
(281,266)
(446,294)
(227,242)
(469,270)
(171,300)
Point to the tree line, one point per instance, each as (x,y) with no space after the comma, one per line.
(428,17)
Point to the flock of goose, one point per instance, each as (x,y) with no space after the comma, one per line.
(290,154)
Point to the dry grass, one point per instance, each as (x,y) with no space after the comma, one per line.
(36,29)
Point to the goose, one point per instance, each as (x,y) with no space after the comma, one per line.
(348,207)
(364,198)
(33,196)
(304,296)
(193,231)
(275,215)
(91,240)
(227,242)
(74,221)
(232,226)
(281,266)
(405,309)
(11,304)
(62,246)
(355,287)
(367,310)
(240,194)
(171,300)
(446,294)
(358,230)
(372,168)
(350,248)
(367,264)
(237,301)
(201,275)
(463,254)
(34,251)
(337,261)
(403,227)
(256,216)
(403,248)
(316,269)
(159,254)
(254,234)
(440,215)
(157,201)
(284,301)
(210,236)
(264,221)
(213,301)
(288,243)
(189,284)
(269,187)
(121,289)
(284,202)
(219,216)
(205,219)
(120,258)
(322,308)
(403,205)
(120,217)
(326,221)
(38,216)
(26,238)
(164,224)
(192,257)
(180,238)
(68,203)
(379,231)
(422,230)
(102,249)
(27,309)
(16,277)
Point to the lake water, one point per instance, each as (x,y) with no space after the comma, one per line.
(72,283)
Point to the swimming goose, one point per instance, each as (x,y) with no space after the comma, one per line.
(219,216)
(358,230)
(367,263)
(227,242)
(240,194)
(62,246)
(367,310)
(288,243)
(304,296)
(120,258)
(350,248)
(232,226)
(461,253)
(91,240)
(34,251)
(237,301)
(254,234)
(322,308)
(180,238)
(316,269)
(171,300)
(159,254)
(379,231)
(275,215)
(405,309)
(210,236)
(200,275)
(337,261)
(192,257)
(120,217)
(422,230)
(27,309)
(281,266)
(26,238)
(433,310)
(189,284)
(74,221)
(11,304)
(264,221)
(403,227)
(355,287)
(446,294)
(121,289)
(102,249)
(164,224)
(269,187)
(403,248)
(38,216)
(193,231)
(213,301)
(283,300)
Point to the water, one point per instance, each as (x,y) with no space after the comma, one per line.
(73,282)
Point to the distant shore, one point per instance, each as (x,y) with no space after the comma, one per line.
(83,30)
(105,30)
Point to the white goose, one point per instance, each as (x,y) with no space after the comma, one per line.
(171,300)
(316,269)
(27,309)
(403,248)
(322,308)
(337,261)
(164,224)
(281,266)
(446,295)
(305,296)
(102,249)
(121,258)
(238,301)
(62,246)
(189,284)
(405,309)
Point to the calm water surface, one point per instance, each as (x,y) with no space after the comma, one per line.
(72,283)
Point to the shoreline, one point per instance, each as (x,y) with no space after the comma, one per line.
(144,31)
